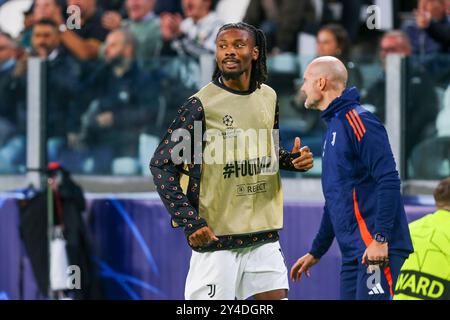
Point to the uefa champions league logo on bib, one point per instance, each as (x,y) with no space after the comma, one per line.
(228,121)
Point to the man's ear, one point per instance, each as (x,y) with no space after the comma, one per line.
(322,83)
(255,53)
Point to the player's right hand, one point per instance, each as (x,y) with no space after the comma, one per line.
(302,266)
(202,237)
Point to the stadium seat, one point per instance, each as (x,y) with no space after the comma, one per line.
(431,159)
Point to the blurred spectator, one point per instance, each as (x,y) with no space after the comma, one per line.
(24,39)
(265,15)
(62,85)
(143,24)
(126,104)
(111,5)
(281,20)
(196,34)
(231,11)
(350,20)
(333,40)
(62,79)
(40,9)
(84,42)
(46,9)
(431,31)
(8,111)
(421,105)
(172,6)
(12,110)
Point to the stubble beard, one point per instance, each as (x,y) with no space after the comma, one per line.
(232,75)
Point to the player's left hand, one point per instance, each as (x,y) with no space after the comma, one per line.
(305,161)
(202,237)
(376,253)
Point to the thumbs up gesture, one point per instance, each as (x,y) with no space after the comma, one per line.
(302,158)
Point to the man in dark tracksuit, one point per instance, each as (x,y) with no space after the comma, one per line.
(363,207)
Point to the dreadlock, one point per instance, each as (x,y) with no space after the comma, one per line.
(259,66)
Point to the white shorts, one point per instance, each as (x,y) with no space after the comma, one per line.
(236,273)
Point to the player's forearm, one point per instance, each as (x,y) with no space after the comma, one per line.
(320,247)
(183,213)
(324,237)
(376,154)
(166,173)
(389,202)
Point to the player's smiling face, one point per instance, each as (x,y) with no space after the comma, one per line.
(235,51)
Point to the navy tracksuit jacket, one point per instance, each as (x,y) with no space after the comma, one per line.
(361,186)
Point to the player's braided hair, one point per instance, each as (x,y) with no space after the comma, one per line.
(259,66)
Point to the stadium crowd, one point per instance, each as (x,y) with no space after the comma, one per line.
(114,83)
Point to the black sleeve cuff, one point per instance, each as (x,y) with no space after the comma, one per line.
(315,254)
(192,227)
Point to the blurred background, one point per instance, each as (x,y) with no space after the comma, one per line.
(95,93)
